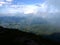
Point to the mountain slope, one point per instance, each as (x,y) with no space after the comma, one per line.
(10,36)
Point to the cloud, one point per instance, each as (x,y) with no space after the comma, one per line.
(9,0)
(1,3)
(42,9)
(5,2)
(22,8)
(55,3)
(26,9)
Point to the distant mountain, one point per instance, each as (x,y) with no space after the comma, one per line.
(30,23)
(27,20)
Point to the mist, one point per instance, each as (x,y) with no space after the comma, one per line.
(37,17)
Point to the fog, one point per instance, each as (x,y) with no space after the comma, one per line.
(43,17)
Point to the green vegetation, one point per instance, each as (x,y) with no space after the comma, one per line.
(35,28)
(35,25)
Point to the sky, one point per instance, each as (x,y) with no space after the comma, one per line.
(42,7)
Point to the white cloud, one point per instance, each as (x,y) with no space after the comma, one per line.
(42,9)
(9,0)
(39,9)
(55,3)
(27,9)
(1,3)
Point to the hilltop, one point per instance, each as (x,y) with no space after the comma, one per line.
(10,36)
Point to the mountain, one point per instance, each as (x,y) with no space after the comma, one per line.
(9,36)
(31,23)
